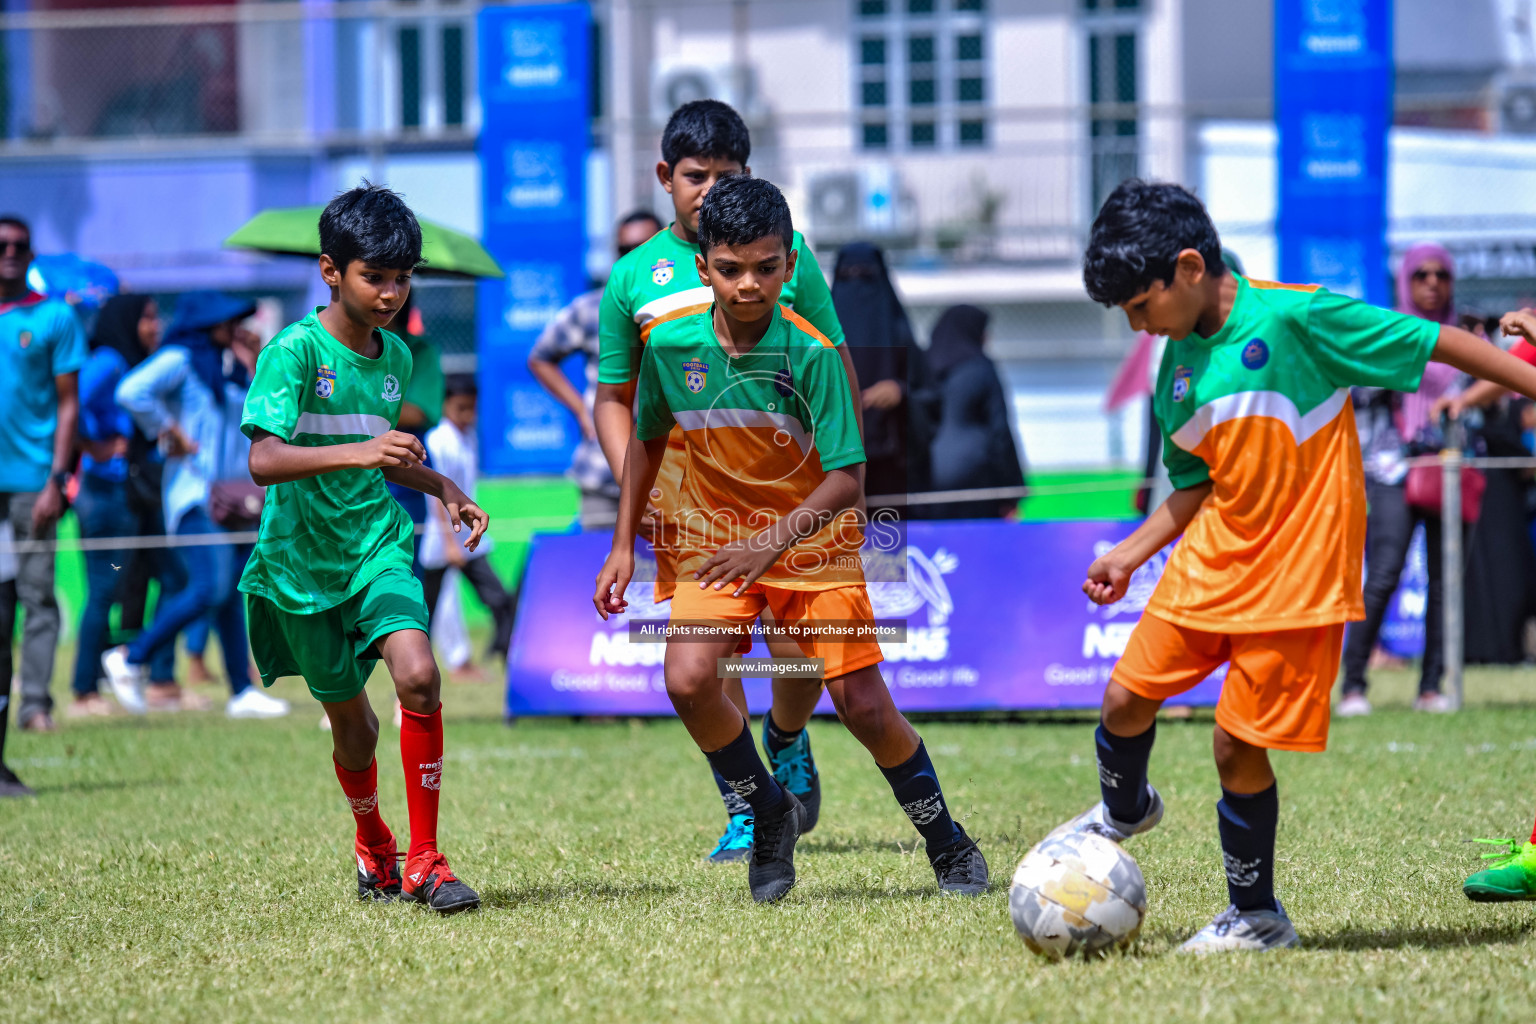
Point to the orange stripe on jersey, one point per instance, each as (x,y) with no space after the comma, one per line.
(1278,286)
(645,331)
(805,325)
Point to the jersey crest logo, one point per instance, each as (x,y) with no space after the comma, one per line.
(661,271)
(24,338)
(325,382)
(695,374)
(391,388)
(1181,377)
(1255,354)
(784,383)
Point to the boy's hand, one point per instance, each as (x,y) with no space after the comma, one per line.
(745,559)
(1107,580)
(611,583)
(394,449)
(463,511)
(1519,323)
(1446,405)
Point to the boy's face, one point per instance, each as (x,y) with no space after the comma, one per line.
(1171,309)
(460,410)
(690,180)
(368,294)
(747,279)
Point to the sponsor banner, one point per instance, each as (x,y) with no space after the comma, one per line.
(993,612)
(1402,628)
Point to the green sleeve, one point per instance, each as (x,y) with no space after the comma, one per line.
(653,417)
(1185,469)
(618,339)
(834,426)
(1356,343)
(813,299)
(426,388)
(272,403)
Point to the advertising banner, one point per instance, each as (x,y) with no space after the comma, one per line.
(995,620)
(1333,106)
(534,82)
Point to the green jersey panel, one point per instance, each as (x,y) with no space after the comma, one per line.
(324,538)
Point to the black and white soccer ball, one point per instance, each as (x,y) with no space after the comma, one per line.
(1077,894)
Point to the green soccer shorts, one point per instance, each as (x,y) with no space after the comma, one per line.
(334,650)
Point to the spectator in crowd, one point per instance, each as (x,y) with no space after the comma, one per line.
(127,330)
(421,407)
(973,446)
(1394,425)
(41,350)
(898,397)
(189,395)
(456,454)
(573,330)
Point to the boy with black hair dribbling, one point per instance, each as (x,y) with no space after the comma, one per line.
(330,586)
(767,528)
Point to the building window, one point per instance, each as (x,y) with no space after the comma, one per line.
(410,77)
(922,73)
(1112,35)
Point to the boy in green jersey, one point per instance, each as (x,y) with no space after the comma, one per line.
(703,141)
(1269,511)
(330,585)
(768,527)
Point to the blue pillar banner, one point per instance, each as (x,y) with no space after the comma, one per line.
(1333,107)
(534,81)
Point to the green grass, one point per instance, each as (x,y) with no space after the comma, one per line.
(188,868)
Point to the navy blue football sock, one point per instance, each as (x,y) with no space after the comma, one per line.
(1123,772)
(916,786)
(1247,825)
(742,768)
(776,739)
(734,804)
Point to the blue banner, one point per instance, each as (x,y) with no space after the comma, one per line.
(534,81)
(1333,107)
(995,620)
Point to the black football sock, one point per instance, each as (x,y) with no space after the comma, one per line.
(739,763)
(916,786)
(734,804)
(776,739)
(1123,772)
(5,704)
(1247,825)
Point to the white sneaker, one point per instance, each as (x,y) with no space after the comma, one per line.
(1434,703)
(252,703)
(126,681)
(1097,819)
(1236,930)
(1352,705)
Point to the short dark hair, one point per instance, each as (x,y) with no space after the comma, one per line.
(636,216)
(739,210)
(460,384)
(1138,235)
(11,220)
(372,224)
(705,130)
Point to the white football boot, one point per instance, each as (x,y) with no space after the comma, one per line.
(1097,819)
(1251,930)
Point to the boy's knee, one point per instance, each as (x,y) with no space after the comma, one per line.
(688,685)
(418,682)
(1235,755)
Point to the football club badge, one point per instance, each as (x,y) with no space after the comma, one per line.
(1181,377)
(784,383)
(661,271)
(391,388)
(1255,354)
(695,373)
(24,338)
(325,382)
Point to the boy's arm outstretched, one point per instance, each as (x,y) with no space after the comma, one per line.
(1471,354)
(1110,573)
(1520,323)
(640,465)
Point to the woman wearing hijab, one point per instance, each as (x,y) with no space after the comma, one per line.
(897,394)
(1389,423)
(974,446)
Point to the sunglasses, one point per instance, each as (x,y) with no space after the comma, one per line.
(1438,275)
(15,248)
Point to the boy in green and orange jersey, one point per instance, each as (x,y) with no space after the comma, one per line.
(1261,446)
(703,141)
(772,453)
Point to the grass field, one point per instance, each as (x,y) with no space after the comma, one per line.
(192,868)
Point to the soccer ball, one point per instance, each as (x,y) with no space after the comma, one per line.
(1077,894)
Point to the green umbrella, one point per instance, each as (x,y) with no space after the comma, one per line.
(296,229)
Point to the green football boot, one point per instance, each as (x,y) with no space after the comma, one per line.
(1511,876)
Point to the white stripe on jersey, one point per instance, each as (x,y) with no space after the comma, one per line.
(669,303)
(341,423)
(703,419)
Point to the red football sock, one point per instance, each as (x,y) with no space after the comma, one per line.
(362,789)
(421,754)
(1533,833)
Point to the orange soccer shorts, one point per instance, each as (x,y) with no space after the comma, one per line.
(665,495)
(1277,689)
(784,607)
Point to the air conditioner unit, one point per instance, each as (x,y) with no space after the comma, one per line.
(858,203)
(676,84)
(1517,107)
